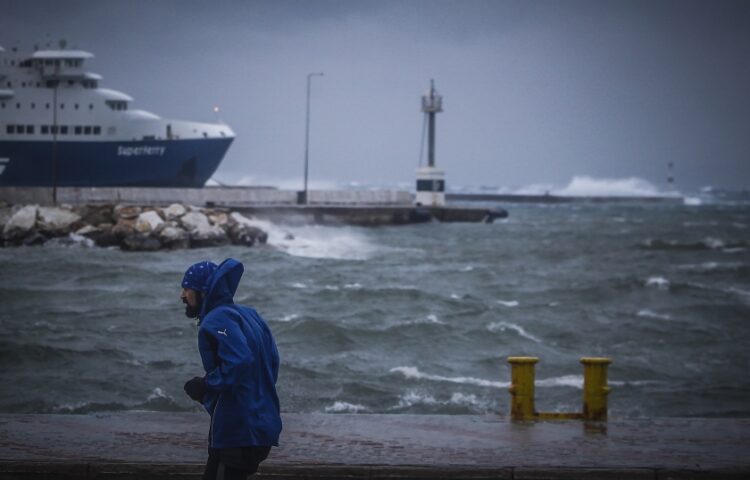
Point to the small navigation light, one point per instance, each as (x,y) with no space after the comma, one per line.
(216,109)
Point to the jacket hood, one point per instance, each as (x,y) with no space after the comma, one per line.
(223,285)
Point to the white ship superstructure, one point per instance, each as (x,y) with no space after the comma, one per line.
(59,127)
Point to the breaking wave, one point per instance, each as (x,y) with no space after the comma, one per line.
(503,326)
(345,407)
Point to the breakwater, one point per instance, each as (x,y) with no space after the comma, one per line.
(130,227)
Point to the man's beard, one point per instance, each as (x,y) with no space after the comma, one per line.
(192,312)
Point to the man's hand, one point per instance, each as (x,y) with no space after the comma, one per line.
(196,388)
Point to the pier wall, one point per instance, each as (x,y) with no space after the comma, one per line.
(215,196)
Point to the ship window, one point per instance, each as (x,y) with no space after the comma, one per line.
(30,129)
(45,129)
(76,106)
(18,105)
(23,84)
(62,106)
(2,105)
(111,130)
(48,61)
(47,106)
(87,130)
(53,129)
(64,129)
(71,82)
(91,106)
(78,130)
(97,130)
(10,129)
(33,105)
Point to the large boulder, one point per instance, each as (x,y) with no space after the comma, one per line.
(127,212)
(124,227)
(174,211)
(211,236)
(5,214)
(21,223)
(202,233)
(174,237)
(140,242)
(218,218)
(194,221)
(241,228)
(56,221)
(148,222)
(95,214)
(101,235)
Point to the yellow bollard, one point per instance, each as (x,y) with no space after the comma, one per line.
(522,388)
(595,389)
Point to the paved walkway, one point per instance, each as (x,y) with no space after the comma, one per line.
(153,445)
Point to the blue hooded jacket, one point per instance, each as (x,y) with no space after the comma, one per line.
(241,362)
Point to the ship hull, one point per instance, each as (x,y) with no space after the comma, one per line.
(150,163)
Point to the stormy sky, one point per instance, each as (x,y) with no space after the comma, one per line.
(535,92)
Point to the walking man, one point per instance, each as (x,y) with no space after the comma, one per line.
(241,362)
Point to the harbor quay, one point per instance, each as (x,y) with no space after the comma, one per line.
(151,445)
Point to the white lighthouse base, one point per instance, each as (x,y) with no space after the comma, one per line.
(430,187)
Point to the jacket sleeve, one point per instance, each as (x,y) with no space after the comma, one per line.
(232,353)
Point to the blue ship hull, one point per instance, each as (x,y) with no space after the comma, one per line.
(149,163)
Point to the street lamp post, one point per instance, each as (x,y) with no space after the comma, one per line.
(307,132)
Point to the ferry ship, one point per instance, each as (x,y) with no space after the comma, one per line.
(59,128)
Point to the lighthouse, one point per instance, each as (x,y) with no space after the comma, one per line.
(430,180)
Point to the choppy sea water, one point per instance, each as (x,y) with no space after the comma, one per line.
(408,319)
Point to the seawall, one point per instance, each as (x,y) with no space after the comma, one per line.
(150,445)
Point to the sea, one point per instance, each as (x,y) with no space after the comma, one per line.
(416,319)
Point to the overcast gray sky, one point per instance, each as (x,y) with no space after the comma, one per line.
(535,92)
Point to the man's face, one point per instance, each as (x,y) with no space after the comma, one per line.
(192,302)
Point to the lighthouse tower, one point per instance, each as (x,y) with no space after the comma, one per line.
(430,180)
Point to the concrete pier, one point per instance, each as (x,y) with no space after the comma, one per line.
(143,445)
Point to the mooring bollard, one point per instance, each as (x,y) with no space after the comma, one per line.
(595,389)
(522,387)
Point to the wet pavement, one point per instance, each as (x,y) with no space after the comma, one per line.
(155,445)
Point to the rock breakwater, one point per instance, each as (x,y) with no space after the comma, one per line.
(129,227)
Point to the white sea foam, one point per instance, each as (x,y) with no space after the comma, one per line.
(455,296)
(289,318)
(503,326)
(585,186)
(575,381)
(345,407)
(317,241)
(508,303)
(333,288)
(412,398)
(652,314)
(413,372)
(157,394)
(692,201)
(353,286)
(432,318)
(467,268)
(658,282)
(415,398)
(298,285)
(713,243)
